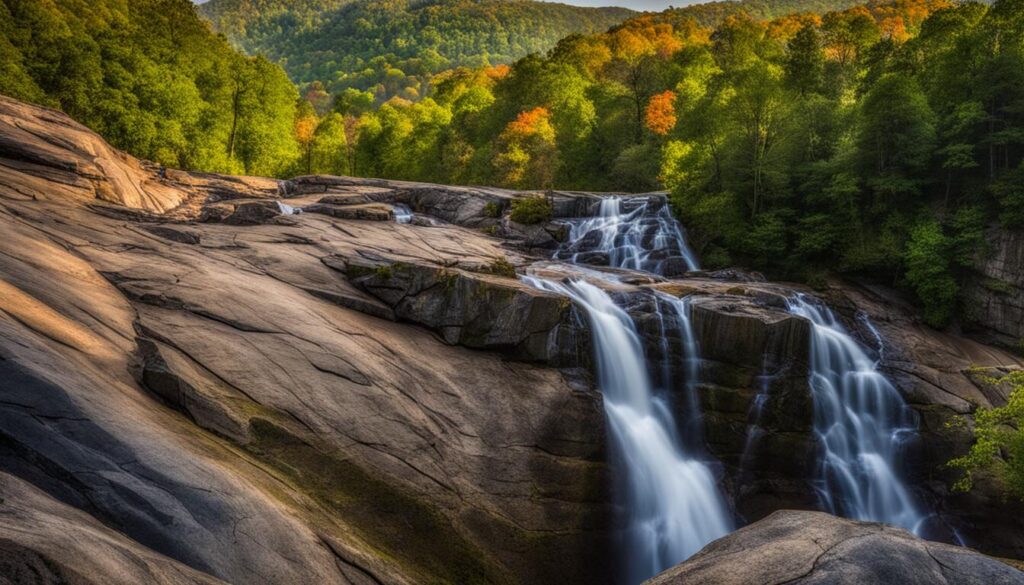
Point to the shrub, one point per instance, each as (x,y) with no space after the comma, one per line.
(492,210)
(531,210)
(998,441)
(502,267)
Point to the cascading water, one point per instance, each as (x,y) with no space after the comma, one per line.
(402,213)
(755,432)
(670,494)
(671,497)
(634,233)
(860,420)
(288,209)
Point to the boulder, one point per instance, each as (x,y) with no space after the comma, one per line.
(483,311)
(253,213)
(354,211)
(814,548)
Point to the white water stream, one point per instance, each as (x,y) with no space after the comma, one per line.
(645,238)
(671,498)
(402,213)
(861,422)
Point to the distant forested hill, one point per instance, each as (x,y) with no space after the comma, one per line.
(377,44)
(711,14)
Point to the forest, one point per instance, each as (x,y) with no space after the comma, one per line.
(393,47)
(880,140)
(151,77)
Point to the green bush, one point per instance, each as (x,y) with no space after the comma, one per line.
(998,441)
(531,210)
(492,210)
(502,267)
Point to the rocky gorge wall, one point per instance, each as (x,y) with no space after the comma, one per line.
(214,386)
(994,310)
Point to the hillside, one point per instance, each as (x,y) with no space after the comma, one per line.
(364,43)
(711,14)
(883,140)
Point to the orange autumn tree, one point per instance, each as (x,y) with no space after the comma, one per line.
(900,19)
(660,116)
(636,48)
(786,27)
(496,72)
(527,153)
(305,132)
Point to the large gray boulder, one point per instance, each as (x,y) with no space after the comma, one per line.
(805,548)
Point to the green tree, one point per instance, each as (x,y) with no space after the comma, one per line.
(928,272)
(897,138)
(998,441)
(805,61)
(330,146)
(352,101)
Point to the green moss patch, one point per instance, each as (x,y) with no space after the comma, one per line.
(402,528)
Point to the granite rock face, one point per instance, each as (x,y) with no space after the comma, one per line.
(221,396)
(805,548)
(996,293)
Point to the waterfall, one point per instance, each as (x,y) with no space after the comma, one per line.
(645,237)
(402,213)
(755,432)
(860,420)
(671,498)
(288,209)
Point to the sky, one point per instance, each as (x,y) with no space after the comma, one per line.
(634,4)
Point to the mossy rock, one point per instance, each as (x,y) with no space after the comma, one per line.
(531,210)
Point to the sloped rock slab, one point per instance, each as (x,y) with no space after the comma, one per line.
(814,548)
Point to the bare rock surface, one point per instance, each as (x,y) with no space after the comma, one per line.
(43,541)
(997,290)
(221,394)
(805,548)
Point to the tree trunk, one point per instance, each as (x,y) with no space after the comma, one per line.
(235,105)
